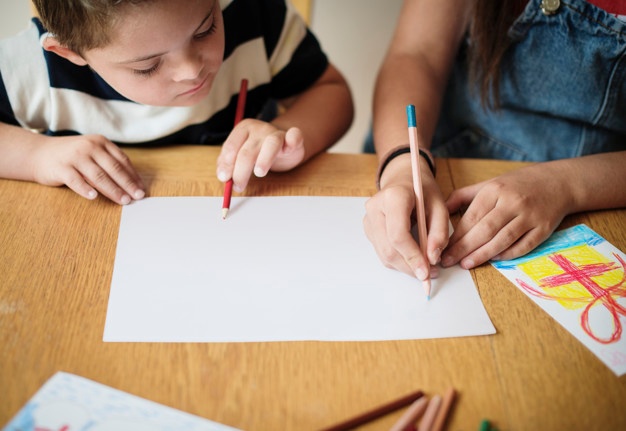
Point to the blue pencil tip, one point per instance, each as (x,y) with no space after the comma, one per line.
(410,115)
(428,298)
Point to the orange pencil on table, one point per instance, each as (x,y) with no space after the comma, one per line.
(241,106)
(444,409)
(430,415)
(412,414)
(417,185)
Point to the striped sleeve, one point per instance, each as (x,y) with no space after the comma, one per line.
(6,111)
(294,55)
(22,79)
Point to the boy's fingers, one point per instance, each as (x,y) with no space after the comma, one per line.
(121,156)
(230,150)
(120,172)
(294,138)
(77,183)
(271,146)
(99,178)
(246,159)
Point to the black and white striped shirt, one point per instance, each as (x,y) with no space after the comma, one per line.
(267,42)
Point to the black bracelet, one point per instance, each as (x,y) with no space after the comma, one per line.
(398,152)
(429,161)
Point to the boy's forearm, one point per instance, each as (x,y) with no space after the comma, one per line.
(17,147)
(323,113)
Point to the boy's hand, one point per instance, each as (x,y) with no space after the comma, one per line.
(88,164)
(257,146)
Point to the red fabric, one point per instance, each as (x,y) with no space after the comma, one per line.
(616,7)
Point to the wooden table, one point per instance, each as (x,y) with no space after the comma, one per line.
(56,260)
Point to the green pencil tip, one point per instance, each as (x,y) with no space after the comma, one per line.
(485,425)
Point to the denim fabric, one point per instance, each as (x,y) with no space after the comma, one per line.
(562,94)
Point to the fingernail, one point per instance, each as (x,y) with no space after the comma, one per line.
(420,274)
(434,272)
(447,261)
(125,200)
(92,194)
(468,264)
(222,176)
(237,188)
(498,257)
(435,256)
(259,172)
(139,194)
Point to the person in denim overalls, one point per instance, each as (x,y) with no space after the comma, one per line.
(558,97)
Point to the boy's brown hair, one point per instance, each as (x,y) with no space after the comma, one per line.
(81,25)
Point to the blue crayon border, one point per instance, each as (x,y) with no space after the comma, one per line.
(574,236)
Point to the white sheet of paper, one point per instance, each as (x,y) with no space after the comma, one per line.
(578,278)
(69,402)
(277,269)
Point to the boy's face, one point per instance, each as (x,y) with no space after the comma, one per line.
(163,53)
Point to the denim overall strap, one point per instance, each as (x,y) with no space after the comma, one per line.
(562,90)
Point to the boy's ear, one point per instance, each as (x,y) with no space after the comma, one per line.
(51,43)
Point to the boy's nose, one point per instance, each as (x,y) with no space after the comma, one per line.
(188,66)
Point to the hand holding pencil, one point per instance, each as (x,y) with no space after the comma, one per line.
(391,212)
(255,147)
(241,106)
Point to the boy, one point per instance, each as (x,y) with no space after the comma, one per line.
(162,72)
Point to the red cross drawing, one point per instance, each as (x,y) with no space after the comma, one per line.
(605,296)
(63,428)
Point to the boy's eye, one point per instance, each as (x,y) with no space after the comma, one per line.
(147,72)
(207,32)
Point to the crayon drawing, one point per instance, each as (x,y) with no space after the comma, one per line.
(67,402)
(585,277)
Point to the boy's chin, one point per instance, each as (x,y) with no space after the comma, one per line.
(179,101)
(171,104)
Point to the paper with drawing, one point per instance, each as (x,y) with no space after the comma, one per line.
(277,269)
(67,402)
(578,278)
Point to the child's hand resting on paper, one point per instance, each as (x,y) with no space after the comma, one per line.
(257,147)
(89,165)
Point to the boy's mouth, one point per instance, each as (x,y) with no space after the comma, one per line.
(196,88)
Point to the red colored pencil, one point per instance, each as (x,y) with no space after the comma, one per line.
(241,106)
(376,412)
